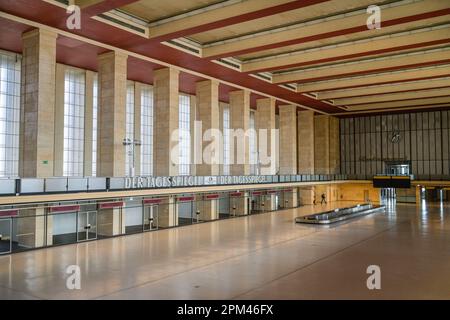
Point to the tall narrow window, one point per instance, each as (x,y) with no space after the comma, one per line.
(184,140)
(129,131)
(94,126)
(9,114)
(252,145)
(147,131)
(226,140)
(74,122)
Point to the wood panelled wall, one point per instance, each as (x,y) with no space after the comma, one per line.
(422,138)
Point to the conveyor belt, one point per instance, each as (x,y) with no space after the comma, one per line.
(340,214)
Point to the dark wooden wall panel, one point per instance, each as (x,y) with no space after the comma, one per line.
(366,143)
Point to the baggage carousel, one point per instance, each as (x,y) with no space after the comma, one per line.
(340,214)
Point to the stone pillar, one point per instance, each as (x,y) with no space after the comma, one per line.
(418,194)
(37,131)
(326,144)
(306,195)
(207,93)
(335,153)
(37,104)
(88,122)
(288,139)
(239,141)
(165,117)
(137,127)
(32,231)
(111,222)
(167,214)
(306,142)
(112,81)
(265,120)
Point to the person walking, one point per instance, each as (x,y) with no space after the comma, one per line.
(324,200)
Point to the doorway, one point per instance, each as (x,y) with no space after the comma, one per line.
(150,218)
(87,226)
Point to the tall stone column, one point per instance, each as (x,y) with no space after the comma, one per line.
(112,80)
(305,145)
(112,93)
(326,144)
(239,144)
(38,104)
(36,156)
(265,120)
(207,93)
(265,130)
(239,140)
(288,139)
(306,142)
(165,119)
(288,150)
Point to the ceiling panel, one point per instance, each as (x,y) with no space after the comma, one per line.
(153,10)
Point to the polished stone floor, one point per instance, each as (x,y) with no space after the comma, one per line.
(264,256)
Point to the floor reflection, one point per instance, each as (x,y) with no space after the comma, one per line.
(264,256)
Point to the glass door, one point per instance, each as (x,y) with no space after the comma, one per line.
(87,226)
(150,218)
(5,235)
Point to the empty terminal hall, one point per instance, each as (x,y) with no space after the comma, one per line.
(224,150)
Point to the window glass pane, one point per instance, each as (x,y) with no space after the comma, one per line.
(94,126)
(226,140)
(252,145)
(74,122)
(184,137)
(9,114)
(129,127)
(147,130)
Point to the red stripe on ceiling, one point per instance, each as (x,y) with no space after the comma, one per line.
(331,34)
(424,64)
(105,6)
(239,19)
(356,55)
(381,83)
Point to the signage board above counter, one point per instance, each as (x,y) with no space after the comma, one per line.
(22,186)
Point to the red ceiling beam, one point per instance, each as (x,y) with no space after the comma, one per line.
(332,34)
(105,6)
(240,18)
